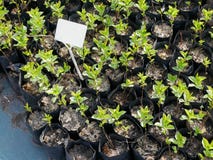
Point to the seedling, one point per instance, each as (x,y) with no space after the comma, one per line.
(165,124)
(142,79)
(142,6)
(55,91)
(197,81)
(76,98)
(127,84)
(144,116)
(190,115)
(108,115)
(28,108)
(187,98)
(125,58)
(209,96)
(47,118)
(20,36)
(172,79)
(208,149)
(182,62)
(206,15)
(56,8)
(198,26)
(36,23)
(93,74)
(172,13)
(159,92)
(178,140)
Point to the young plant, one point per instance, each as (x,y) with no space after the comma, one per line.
(138,40)
(144,116)
(114,63)
(121,27)
(55,91)
(47,118)
(159,90)
(142,79)
(6,35)
(125,58)
(197,81)
(149,51)
(36,23)
(179,88)
(206,62)
(82,52)
(56,8)
(191,116)
(142,6)
(208,149)
(197,27)
(209,96)
(178,140)
(20,36)
(76,98)
(108,115)
(93,74)
(207,15)
(35,75)
(172,13)
(165,124)
(127,84)
(187,98)
(171,79)
(27,108)
(182,62)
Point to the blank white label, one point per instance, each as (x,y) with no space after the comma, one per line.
(70,33)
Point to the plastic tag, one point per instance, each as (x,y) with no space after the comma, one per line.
(70,33)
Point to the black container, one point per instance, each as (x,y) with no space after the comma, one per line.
(56,152)
(146,144)
(114,142)
(82,148)
(188,10)
(159,33)
(73,6)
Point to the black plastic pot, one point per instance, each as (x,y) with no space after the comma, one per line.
(163,54)
(156,70)
(183,40)
(158,31)
(188,10)
(36,132)
(73,6)
(92,133)
(57,151)
(79,150)
(168,153)
(135,20)
(207,38)
(71,120)
(115,76)
(146,144)
(131,133)
(112,143)
(121,96)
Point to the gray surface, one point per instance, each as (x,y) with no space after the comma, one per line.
(15,140)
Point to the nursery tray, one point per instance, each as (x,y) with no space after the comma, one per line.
(15,140)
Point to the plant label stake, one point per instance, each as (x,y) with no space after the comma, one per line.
(71,34)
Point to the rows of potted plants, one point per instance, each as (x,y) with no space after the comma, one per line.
(147,71)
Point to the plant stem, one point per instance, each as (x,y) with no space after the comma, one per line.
(74,62)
